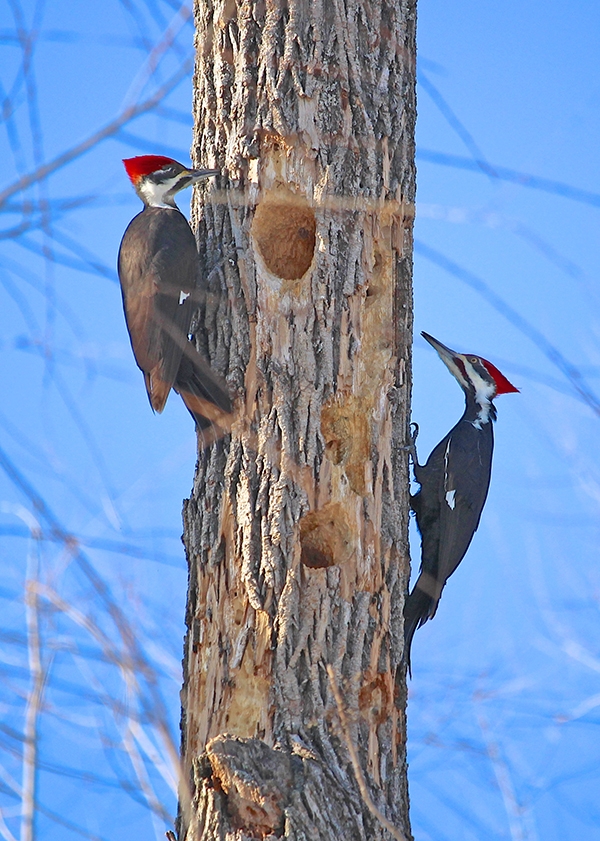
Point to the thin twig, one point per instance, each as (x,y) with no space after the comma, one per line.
(183,15)
(110,129)
(514,810)
(571,372)
(4,830)
(154,705)
(358,773)
(35,694)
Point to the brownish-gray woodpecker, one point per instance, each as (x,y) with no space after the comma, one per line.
(159,270)
(454,484)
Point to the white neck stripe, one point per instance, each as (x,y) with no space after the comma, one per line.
(155,195)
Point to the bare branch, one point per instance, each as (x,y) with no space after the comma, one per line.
(4,830)
(572,373)
(180,19)
(110,129)
(504,173)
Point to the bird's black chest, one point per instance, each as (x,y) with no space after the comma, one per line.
(456,472)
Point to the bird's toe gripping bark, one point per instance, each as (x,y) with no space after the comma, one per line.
(411,447)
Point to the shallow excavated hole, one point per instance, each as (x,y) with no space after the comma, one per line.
(283,230)
(325,537)
(345,428)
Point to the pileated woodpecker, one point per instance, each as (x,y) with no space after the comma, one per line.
(454,484)
(159,270)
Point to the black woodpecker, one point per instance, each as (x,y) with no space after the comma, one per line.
(159,270)
(454,484)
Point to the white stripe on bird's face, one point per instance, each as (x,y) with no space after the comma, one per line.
(157,195)
(485,391)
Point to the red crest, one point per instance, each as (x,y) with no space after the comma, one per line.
(145,164)
(502,384)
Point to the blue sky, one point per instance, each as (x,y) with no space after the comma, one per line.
(504,705)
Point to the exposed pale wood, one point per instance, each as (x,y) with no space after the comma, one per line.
(296,531)
(358,772)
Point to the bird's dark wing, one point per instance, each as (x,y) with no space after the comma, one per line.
(138,287)
(158,269)
(468,460)
(204,392)
(177,266)
(421,604)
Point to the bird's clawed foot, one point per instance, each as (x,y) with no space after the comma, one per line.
(411,447)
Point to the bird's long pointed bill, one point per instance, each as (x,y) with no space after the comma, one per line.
(199,174)
(451,359)
(193,176)
(445,353)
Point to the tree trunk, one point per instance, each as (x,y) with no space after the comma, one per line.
(296,531)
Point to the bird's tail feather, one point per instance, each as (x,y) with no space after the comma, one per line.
(205,394)
(418,608)
(196,376)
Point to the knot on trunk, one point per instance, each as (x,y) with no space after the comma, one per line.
(255,779)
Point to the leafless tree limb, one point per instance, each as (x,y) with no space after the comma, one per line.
(126,116)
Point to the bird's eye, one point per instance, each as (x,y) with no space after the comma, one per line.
(473,360)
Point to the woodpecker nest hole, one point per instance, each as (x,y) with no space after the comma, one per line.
(345,428)
(283,230)
(325,537)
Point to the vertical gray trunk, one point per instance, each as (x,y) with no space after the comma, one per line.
(296,530)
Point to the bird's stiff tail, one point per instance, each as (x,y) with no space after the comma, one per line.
(418,608)
(204,392)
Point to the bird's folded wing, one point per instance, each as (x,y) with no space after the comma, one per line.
(462,496)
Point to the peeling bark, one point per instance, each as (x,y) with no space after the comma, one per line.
(296,530)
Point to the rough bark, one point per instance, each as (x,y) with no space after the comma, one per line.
(296,530)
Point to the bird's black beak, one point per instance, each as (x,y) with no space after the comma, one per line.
(454,362)
(190,177)
(200,174)
(446,354)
